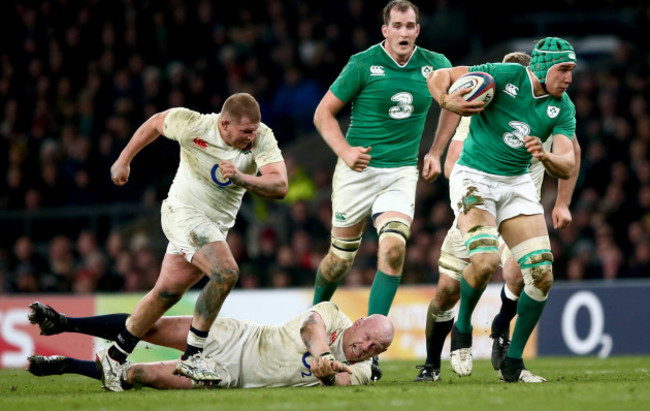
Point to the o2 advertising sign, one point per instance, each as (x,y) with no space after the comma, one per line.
(598,320)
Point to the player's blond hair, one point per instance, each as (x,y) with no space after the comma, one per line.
(402,6)
(241,105)
(517,57)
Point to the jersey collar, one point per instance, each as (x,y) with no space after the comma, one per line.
(532,85)
(415,47)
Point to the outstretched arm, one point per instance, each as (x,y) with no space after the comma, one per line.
(447,124)
(143,136)
(453,106)
(357,158)
(561,214)
(453,153)
(271,183)
(324,366)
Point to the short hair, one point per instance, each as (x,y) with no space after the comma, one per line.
(402,6)
(517,57)
(241,105)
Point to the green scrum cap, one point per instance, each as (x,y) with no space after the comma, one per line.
(549,52)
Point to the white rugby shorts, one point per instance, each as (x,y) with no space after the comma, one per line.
(188,228)
(357,195)
(225,350)
(502,196)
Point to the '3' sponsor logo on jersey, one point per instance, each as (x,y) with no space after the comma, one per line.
(515,138)
(404,107)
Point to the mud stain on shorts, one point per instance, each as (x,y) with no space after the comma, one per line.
(197,240)
(470,200)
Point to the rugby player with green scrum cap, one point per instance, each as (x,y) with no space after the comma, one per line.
(491,189)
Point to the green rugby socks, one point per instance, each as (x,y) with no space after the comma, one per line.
(469,297)
(382,293)
(528,312)
(323,289)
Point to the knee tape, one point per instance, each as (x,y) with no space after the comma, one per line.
(534,257)
(440,316)
(535,293)
(395,227)
(345,248)
(505,255)
(451,265)
(482,240)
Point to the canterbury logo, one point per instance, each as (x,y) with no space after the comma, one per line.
(511,89)
(200,143)
(377,71)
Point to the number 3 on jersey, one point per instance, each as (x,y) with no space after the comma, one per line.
(404,107)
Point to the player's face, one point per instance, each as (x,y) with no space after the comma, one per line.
(239,134)
(364,342)
(400,34)
(559,78)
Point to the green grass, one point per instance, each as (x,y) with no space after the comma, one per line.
(587,383)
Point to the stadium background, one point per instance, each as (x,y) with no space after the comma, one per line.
(78,78)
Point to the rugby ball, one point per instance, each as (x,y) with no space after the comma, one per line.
(482,85)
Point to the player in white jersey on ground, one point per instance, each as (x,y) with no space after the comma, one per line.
(220,157)
(321,345)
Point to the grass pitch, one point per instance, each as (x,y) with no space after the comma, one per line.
(584,383)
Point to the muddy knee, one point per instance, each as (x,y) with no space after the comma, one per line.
(340,257)
(535,259)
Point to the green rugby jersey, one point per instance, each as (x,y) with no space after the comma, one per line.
(389,103)
(495,143)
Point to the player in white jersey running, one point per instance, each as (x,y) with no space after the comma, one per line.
(319,346)
(220,157)
(492,191)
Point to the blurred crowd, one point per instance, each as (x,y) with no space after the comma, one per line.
(77,79)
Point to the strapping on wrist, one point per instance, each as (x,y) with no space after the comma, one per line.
(442,99)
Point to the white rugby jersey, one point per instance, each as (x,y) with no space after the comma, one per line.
(250,355)
(198,181)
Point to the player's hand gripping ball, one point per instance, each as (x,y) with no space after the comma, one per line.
(482,85)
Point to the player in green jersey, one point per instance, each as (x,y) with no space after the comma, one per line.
(491,189)
(376,173)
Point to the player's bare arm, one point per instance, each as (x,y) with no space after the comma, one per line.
(447,123)
(439,82)
(149,131)
(314,334)
(271,183)
(561,214)
(357,158)
(560,162)
(453,153)
(324,366)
